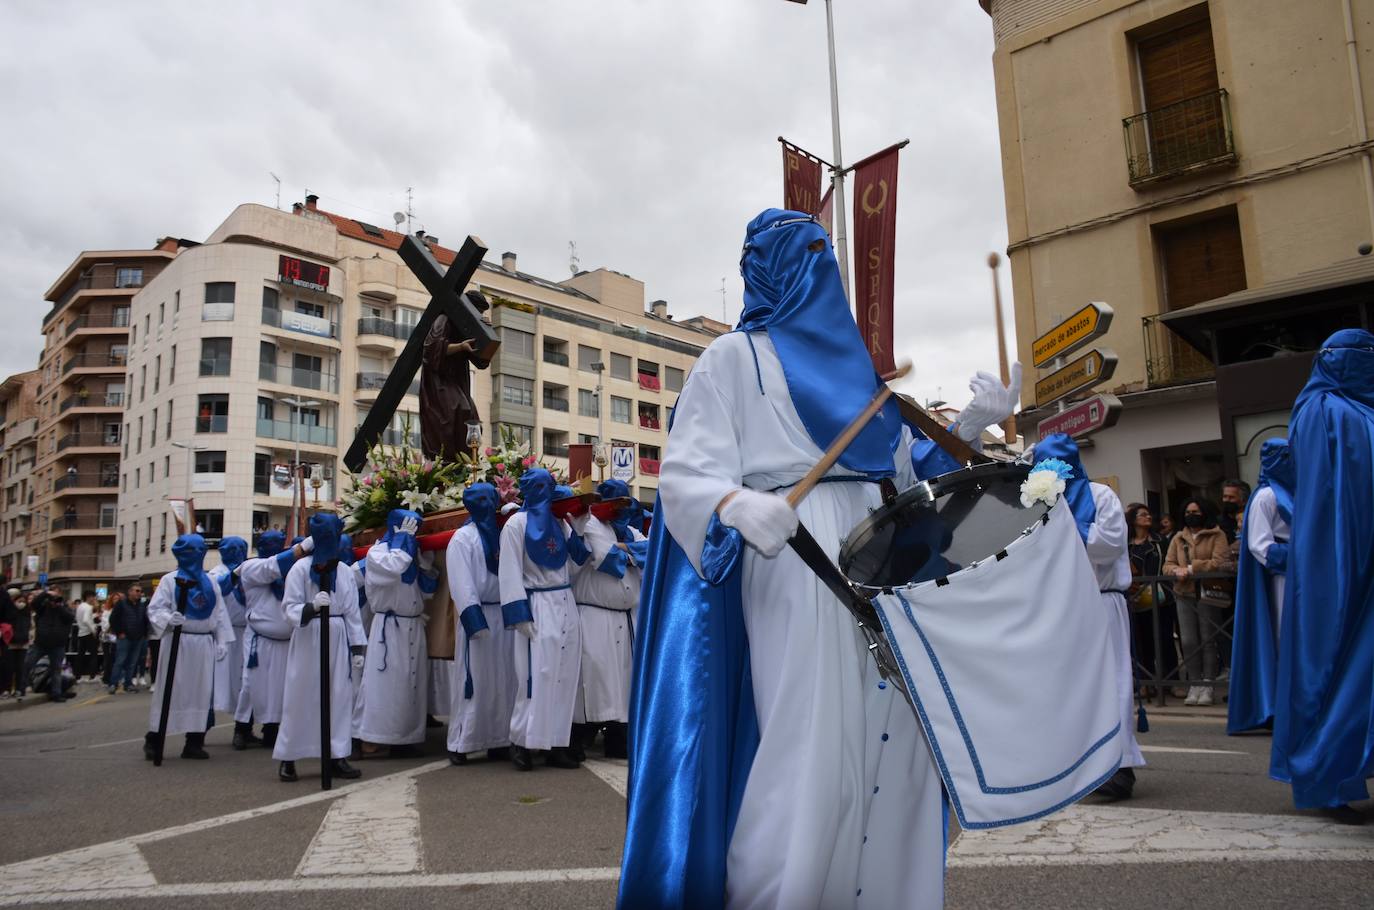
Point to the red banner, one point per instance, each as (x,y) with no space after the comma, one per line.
(875,252)
(826,215)
(801,181)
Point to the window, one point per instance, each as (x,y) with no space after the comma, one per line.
(166,465)
(120,316)
(129,278)
(215,354)
(620,366)
(586,357)
(138,477)
(556,443)
(162,548)
(305,308)
(262,477)
(308,417)
(585,439)
(157,373)
(138,442)
(219,292)
(270,300)
(672,379)
(111,433)
(142,383)
(1202,260)
(587,403)
(148,536)
(152,443)
(209,522)
(172,365)
(176,306)
(521,433)
(107,514)
(516,343)
(648,451)
(212,414)
(161,315)
(210,462)
(406,318)
(517,390)
(620,409)
(126,439)
(648,416)
(147,327)
(307,371)
(169,419)
(265,408)
(267,361)
(555,351)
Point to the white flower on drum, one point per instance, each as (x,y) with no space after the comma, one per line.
(1045,483)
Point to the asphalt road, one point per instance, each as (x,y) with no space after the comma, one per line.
(89,823)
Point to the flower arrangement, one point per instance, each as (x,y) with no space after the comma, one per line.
(501,466)
(1045,483)
(401,477)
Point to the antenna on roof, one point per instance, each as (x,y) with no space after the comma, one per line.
(278,179)
(724,317)
(410,212)
(573,262)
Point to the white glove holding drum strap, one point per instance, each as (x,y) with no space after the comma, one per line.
(992,403)
(765,520)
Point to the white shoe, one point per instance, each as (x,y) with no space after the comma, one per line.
(1204,697)
(1193,693)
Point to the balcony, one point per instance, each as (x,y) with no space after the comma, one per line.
(212,423)
(115,320)
(394,437)
(649,466)
(90,480)
(81,562)
(107,400)
(1178,139)
(556,451)
(104,279)
(84,521)
(300,323)
(1169,360)
(373,382)
(555,357)
(376,325)
(90,439)
(649,382)
(554,403)
(295,432)
(301,379)
(103,360)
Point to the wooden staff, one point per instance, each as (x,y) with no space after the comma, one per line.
(326,758)
(1009,427)
(842,442)
(170,675)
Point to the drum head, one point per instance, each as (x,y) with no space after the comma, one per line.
(940,526)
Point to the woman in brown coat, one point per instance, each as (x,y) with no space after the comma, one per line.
(1199,546)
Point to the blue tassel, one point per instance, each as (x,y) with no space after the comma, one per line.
(1142,721)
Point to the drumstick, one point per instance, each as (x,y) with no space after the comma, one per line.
(832,454)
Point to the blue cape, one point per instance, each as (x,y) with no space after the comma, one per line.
(795,294)
(927,458)
(325,530)
(1324,694)
(617,489)
(189,550)
(1254,652)
(272,543)
(481,500)
(545,544)
(1078,490)
(346,555)
(693,729)
(232,552)
(395,540)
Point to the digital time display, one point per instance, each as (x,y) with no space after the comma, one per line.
(291,270)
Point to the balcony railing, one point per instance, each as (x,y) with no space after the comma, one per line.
(115,320)
(1180,138)
(294,431)
(393,437)
(107,400)
(103,280)
(368,382)
(84,521)
(556,357)
(1169,360)
(301,379)
(212,423)
(648,466)
(105,359)
(376,325)
(88,479)
(556,451)
(96,439)
(303,323)
(555,404)
(82,562)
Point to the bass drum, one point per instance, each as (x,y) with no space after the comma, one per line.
(939,526)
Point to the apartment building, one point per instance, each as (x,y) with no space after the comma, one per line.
(1203,167)
(81,394)
(276,334)
(18,455)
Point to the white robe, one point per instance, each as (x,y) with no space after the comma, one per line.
(481,720)
(605,603)
(813,829)
(360,580)
(1264,527)
(229,671)
(1111,561)
(396,672)
(545,667)
(299,736)
(269,635)
(193,687)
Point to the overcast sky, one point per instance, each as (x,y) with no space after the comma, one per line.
(645,131)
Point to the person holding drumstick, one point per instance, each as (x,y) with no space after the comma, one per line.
(770,765)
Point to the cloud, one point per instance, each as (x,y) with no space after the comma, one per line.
(644,132)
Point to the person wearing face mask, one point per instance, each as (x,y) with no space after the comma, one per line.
(1199,546)
(1234,496)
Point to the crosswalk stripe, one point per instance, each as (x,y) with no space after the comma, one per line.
(615,772)
(371,830)
(98,868)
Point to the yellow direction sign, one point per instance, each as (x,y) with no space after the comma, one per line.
(1096,366)
(1088,323)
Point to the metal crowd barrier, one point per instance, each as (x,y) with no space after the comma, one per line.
(1155,677)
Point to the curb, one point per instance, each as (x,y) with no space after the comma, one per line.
(34,699)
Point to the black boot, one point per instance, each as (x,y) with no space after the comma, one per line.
(501,754)
(1120,785)
(242,734)
(616,742)
(343,769)
(286,772)
(521,758)
(561,757)
(431,723)
(150,745)
(195,746)
(578,739)
(457,758)
(269,735)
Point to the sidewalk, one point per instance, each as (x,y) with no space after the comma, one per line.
(84,690)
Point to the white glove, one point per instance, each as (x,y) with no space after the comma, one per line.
(408,526)
(579,522)
(525,628)
(358,661)
(221,651)
(992,403)
(307,545)
(481,634)
(176,619)
(765,520)
(322,599)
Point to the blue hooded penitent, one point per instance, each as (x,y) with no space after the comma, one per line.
(325,530)
(1324,693)
(407,543)
(1254,649)
(189,550)
(346,555)
(794,293)
(481,500)
(232,552)
(1078,492)
(630,517)
(545,544)
(270,543)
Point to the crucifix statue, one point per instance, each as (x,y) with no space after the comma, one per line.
(456,318)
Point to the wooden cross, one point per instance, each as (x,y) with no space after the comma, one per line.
(446,297)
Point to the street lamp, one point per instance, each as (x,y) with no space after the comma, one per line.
(191,449)
(297,489)
(599,453)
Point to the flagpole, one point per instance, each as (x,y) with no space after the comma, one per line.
(837,172)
